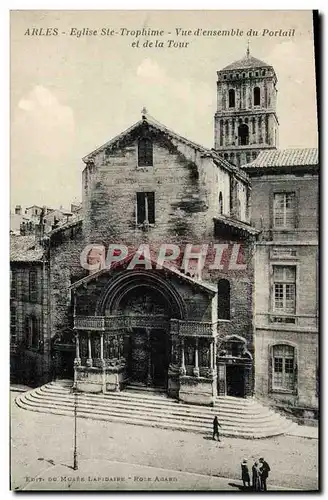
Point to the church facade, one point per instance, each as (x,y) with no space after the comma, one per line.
(157,283)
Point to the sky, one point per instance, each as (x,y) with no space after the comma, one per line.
(72,94)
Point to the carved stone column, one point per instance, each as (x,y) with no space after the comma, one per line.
(102,361)
(89,360)
(212,354)
(183,365)
(196,369)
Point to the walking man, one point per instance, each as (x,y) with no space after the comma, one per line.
(216,426)
(264,473)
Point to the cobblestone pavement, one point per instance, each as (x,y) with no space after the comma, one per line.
(42,449)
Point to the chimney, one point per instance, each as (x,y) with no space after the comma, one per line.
(18,210)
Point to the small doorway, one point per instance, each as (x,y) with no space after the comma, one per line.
(67,364)
(159,358)
(235,381)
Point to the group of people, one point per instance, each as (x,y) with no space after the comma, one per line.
(260,468)
(260,474)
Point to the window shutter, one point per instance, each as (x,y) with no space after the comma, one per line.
(141,212)
(151,207)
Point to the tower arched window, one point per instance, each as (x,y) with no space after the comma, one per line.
(243,134)
(220,203)
(232,101)
(223,299)
(145,152)
(257,96)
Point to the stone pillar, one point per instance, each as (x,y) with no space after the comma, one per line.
(102,362)
(196,369)
(263,130)
(236,132)
(77,349)
(257,130)
(183,366)
(89,360)
(212,355)
(102,347)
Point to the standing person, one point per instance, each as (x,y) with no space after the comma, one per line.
(256,484)
(245,474)
(264,473)
(216,426)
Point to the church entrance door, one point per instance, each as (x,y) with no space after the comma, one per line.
(159,358)
(138,356)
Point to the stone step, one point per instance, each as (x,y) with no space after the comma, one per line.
(160,412)
(233,403)
(174,413)
(251,414)
(108,415)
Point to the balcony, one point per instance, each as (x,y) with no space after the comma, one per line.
(119,322)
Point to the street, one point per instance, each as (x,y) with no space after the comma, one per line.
(126,457)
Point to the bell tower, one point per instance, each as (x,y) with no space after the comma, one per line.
(245,122)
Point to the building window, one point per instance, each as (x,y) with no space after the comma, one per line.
(13,284)
(145,208)
(284,210)
(220,203)
(32,332)
(231,98)
(33,285)
(243,134)
(284,293)
(13,332)
(284,367)
(257,96)
(224,299)
(145,152)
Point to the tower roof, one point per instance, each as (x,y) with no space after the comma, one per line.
(246,62)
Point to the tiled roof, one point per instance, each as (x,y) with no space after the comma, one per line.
(236,224)
(284,158)
(66,225)
(24,249)
(245,62)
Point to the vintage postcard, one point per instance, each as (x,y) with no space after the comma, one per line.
(164,251)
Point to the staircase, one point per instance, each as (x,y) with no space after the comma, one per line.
(243,418)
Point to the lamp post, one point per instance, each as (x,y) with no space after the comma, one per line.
(75,464)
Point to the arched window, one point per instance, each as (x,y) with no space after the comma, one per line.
(224,299)
(243,134)
(231,98)
(220,203)
(257,96)
(284,373)
(145,152)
